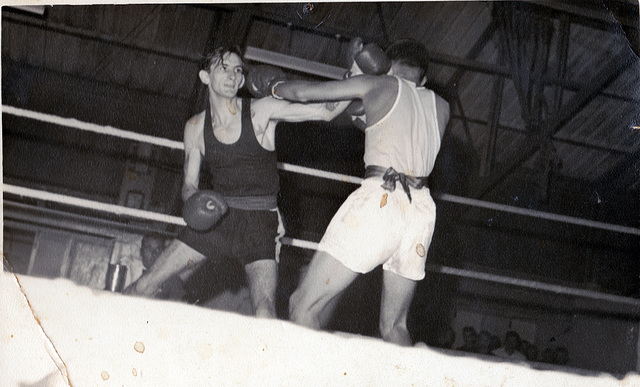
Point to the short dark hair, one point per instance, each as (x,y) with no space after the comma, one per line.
(411,53)
(218,53)
(513,334)
(469,328)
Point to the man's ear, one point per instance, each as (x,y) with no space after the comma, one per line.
(204,77)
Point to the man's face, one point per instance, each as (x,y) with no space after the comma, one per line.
(470,337)
(150,250)
(225,77)
(511,342)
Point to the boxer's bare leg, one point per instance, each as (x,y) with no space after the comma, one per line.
(174,259)
(397,293)
(262,276)
(312,303)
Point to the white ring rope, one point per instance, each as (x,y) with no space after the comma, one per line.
(538,214)
(319,173)
(559,289)
(148,215)
(108,130)
(92,205)
(87,126)
(119,210)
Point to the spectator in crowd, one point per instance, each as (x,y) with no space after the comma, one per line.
(524,347)
(486,343)
(512,342)
(548,356)
(562,355)
(531,353)
(470,339)
(447,338)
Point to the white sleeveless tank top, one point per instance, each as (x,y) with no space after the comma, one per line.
(407,138)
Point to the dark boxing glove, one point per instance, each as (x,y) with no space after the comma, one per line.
(372,60)
(366,59)
(261,78)
(355,46)
(204,209)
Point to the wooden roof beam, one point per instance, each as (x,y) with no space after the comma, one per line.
(601,80)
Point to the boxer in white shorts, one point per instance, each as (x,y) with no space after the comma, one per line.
(362,235)
(390,219)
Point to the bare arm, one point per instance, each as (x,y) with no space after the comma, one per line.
(279,110)
(192,156)
(304,91)
(443,113)
(376,92)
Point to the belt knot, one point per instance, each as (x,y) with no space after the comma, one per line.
(391,177)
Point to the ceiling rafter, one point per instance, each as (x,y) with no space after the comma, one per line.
(502,71)
(627,163)
(593,14)
(473,53)
(559,140)
(601,80)
(463,64)
(494,120)
(284,20)
(93,36)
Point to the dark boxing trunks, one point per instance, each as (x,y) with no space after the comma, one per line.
(244,235)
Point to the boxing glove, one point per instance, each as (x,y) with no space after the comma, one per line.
(261,78)
(353,48)
(368,58)
(372,60)
(203,210)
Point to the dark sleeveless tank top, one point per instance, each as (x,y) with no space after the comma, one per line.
(244,168)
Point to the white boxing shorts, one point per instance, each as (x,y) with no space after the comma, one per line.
(375,226)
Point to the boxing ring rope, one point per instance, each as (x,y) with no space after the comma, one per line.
(148,215)
(153,216)
(108,130)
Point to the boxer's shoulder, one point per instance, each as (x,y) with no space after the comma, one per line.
(193,130)
(262,110)
(195,125)
(196,122)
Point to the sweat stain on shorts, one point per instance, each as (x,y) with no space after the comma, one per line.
(352,220)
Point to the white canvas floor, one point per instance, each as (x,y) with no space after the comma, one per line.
(54,333)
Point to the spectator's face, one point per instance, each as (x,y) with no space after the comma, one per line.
(150,250)
(470,337)
(484,342)
(548,356)
(511,342)
(562,356)
(447,339)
